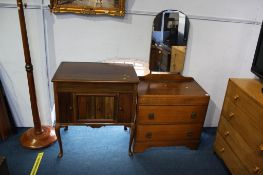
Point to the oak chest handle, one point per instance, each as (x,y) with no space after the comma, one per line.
(236,97)
(151,116)
(231,115)
(226,133)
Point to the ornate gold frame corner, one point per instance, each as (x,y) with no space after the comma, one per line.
(57,8)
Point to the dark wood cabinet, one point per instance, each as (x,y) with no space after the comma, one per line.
(95,94)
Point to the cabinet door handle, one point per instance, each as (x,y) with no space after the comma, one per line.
(193,115)
(151,116)
(148,135)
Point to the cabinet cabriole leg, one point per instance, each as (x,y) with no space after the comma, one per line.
(57,129)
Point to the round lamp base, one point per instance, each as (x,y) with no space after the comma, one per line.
(31,140)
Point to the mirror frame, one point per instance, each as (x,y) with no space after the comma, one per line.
(55,7)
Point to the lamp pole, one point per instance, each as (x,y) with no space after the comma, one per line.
(38,136)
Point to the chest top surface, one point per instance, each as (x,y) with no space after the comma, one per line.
(95,72)
(174,86)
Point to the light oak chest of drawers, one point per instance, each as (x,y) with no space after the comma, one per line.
(239,140)
(170,111)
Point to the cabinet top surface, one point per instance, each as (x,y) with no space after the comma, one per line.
(95,72)
(252,87)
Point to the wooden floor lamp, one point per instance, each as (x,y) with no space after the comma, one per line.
(38,136)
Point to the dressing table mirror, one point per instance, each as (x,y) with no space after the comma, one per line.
(169,40)
(171,108)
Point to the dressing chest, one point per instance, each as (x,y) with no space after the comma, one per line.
(170,111)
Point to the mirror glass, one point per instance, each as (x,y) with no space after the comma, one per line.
(169,41)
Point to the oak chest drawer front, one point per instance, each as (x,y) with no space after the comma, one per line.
(225,153)
(245,103)
(241,122)
(168,132)
(252,159)
(171,114)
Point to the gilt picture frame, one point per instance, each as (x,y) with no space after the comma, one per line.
(91,7)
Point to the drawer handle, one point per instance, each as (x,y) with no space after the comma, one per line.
(231,115)
(121,109)
(70,108)
(261,147)
(236,97)
(193,115)
(226,133)
(256,169)
(148,135)
(222,150)
(189,134)
(151,116)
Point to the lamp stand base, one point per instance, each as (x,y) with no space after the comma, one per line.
(31,140)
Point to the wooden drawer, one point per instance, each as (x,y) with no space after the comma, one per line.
(251,159)
(245,103)
(230,159)
(171,114)
(241,122)
(168,132)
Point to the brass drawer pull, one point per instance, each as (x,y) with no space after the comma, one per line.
(222,150)
(226,133)
(236,97)
(151,116)
(193,115)
(231,115)
(261,147)
(256,169)
(148,135)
